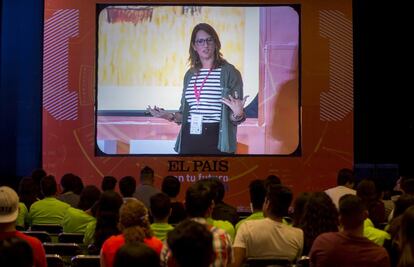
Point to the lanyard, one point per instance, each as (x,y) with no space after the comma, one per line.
(197,92)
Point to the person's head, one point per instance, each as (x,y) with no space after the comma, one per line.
(147,175)
(136,254)
(160,206)
(68,182)
(38,174)
(191,244)
(27,191)
(171,186)
(9,205)
(204,43)
(216,187)
(89,196)
(277,201)
(134,221)
(199,199)
(402,204)
(257,193)
(127,186)
(272,179)
(367,191)
(78,185)
(15,252)
(407,184)
(48,186)
(345,177)
(352,212)
(108,183)
(407,238)
(299,207)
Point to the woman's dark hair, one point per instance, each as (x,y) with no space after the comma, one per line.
(171,186)
(71,182)
(320,216)
(134,222)
(407,239)
(15,252)
(194,59)
(299,207)
(90,194)
(108,183)
(107,217)
(136,254)
(27,191)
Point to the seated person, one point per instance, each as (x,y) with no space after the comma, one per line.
(222,211)
(76,219)
(160,210)
(269,237)
(49,210)
(136,254)
(72,186)
(127,186)
(171,187)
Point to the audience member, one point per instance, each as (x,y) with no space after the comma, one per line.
(348,247)
(272,179)
(171,186)
(135,228)
(77,219)
(15,252)
(9,209)
(69,185)
(146,189)
(27,191)
(299,207)
(160,209)
(371,198)
(127,186)
(108,183)
(191,245)
(107,217)
(48,210)
(37,176)
(269,237)
(222,211)
(136,255)
(345,183)
(406,240)
(320,216)
(199,205)
(257,192)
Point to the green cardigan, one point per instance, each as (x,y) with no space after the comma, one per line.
(231,81)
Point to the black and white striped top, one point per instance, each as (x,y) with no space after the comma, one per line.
(210,97)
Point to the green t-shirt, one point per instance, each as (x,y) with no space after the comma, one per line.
(76,220)
(375,235)
(161,230)
(89,236)
(47,211)
(225,225)
(254,216)
(22,217)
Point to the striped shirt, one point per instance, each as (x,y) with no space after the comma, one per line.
(210,95)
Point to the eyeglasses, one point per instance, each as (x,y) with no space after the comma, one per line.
(201,42)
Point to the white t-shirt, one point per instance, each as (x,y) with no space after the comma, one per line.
(266,238)
(336,193)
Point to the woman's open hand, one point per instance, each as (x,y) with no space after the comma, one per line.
(159,112)
(236,105)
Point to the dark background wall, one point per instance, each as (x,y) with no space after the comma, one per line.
(383,115)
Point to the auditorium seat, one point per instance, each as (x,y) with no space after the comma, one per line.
(254,262)
(62,249)
(43,236)
(54,260)
(85,261)
(50,228)
(70,238)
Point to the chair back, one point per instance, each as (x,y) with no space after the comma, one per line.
(50,228)
(253,262)
(62,249)
(85,261)
(70,238)
(304,261)
(43,236)
(54,260)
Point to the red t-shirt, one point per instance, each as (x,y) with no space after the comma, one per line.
(39,255)
(112,244)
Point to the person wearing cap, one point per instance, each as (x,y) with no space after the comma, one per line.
(9,210)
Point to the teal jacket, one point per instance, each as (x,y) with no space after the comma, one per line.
(230,82)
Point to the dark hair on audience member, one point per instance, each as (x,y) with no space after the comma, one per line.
(191,244)
(48,185)
(135,255)
(147,174)
(402,203)
(299,207)
(198,199)
(27,191)
(78,185)
(134,222)
(15,252)
(320,216)
(407,239)
(279,197)
(407,184)
(68,182)
(107,216)
(89,196)
(108,183)
(272,179)
(127,186)
(367,191)
(171,186)
(257,193)
(351,210)
(345,176)
(216,188)
(160,206)
(37,176)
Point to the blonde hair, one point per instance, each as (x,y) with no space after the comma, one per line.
(134,222)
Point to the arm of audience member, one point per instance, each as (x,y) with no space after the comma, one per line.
(239,257)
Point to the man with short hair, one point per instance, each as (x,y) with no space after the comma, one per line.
(345,182)
(147,189)
(160,211)
(9,209)
(127,186)
(49,210)
(269,237)
(348,247)
(199,204)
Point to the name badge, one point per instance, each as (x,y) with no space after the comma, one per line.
(196,124)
